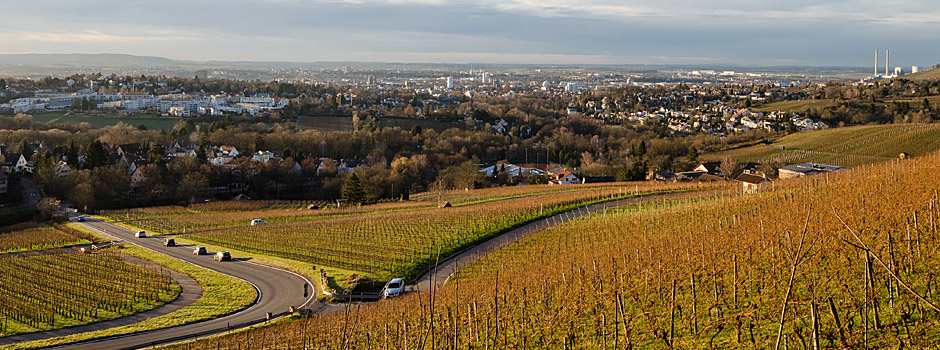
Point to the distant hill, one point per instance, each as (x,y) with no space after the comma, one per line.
(850,146)
(930,74)
(85,60)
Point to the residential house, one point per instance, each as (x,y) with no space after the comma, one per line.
(138,176)
(347,165)
(511,170)
(10,161)
(709,167)
(264,156)
(806,169)
(598,179)
(217,157)
(229,151)
(136,164)
(564,177)
(133,149)
(21,164)
(175,150)
(706,177)
(752,183)
(689,175)
(662,175)
(62,169)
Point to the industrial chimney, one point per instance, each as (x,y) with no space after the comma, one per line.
(876,63)
(887,57)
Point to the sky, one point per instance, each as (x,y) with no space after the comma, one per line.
(685,32)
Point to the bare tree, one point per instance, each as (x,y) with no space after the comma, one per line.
(729,167)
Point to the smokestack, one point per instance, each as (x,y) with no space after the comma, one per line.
(876,63)
(887,57)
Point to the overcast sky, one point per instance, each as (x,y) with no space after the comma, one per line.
(743,32)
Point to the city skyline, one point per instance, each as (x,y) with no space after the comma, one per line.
(800,33)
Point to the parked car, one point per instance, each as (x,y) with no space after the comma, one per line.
(140,234)
(222,256)
(258,222)
(200,251)
(169,242)
(393,288)
(81,218)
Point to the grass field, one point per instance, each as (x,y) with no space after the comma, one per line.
(98,120)
(850,146)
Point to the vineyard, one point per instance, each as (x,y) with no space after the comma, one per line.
(87,288)
(401,244)
(463,197)
(849,147)
(219,215)
(847,260)
(201,217)
(28,236)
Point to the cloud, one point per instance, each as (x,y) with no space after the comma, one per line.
(92,36)
(808,32)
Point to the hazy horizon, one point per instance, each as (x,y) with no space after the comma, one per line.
(597,32)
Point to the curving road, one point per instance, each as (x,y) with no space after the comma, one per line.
(278,290)
(445,268)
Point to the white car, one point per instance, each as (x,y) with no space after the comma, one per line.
(393,288)
(140,234)
(258,222)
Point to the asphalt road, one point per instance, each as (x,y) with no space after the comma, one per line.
(278,290)
(447,267)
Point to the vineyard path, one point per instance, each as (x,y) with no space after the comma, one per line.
(273,284)
(447,267)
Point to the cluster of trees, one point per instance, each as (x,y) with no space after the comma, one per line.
(531,129)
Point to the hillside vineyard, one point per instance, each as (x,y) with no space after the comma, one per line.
(846,260)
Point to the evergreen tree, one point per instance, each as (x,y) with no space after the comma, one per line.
(791,128)
(201,153)
(353,192)
(641,151)
(155,154)
(693,153)
(95,155)
(636,172)
(71,155)
(259,142)
(25,150)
